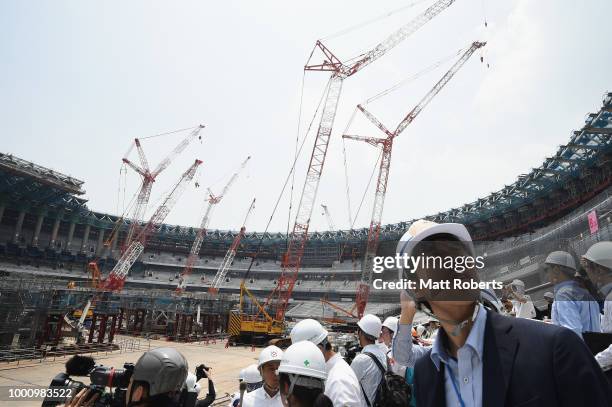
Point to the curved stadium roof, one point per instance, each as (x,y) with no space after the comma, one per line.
(576,172)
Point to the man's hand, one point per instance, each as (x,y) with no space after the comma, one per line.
(408,308)
(84,398)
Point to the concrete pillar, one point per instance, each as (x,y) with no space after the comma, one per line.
(100,245)
(18,227)
(1,212)
(70,235)
(39,222)
(54,232)
(85,238)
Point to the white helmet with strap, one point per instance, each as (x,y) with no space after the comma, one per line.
(304,363)
(370,324)
(600,253)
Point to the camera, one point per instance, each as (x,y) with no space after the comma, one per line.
(202,371)
(100,377)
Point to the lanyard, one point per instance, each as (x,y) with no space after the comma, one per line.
(455,387)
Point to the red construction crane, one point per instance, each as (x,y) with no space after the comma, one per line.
(118,274)
(279,297)
(148,178)
(363,289)
(229,256)
(197,243)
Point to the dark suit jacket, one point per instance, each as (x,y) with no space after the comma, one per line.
(525,363)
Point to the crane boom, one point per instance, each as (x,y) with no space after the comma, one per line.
(398,36)
(229,256)
(118,274)
(199,239)
(383,175)
(438,87)
(148,178)
(292,259)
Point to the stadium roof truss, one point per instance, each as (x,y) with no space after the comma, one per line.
(587,149)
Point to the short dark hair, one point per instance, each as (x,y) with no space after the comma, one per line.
(306,395)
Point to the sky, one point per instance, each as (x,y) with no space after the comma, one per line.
(80,80)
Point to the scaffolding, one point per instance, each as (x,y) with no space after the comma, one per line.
(43,314)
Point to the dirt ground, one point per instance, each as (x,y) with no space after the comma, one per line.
(226,363)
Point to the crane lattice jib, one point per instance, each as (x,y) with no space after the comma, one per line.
(227,261)
(279,297)
(231,253)
(437,87)
(119,272)
(177,150)
(199,239)
(397,37)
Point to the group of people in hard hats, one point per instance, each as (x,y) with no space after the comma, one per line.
(482,350)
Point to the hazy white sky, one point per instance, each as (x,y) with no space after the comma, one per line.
(79,80)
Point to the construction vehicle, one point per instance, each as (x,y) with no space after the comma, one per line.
(213,200)
(268,319)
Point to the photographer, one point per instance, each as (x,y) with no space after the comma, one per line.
(157,380)
(202,372)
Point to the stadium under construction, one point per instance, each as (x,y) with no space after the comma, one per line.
(49,240)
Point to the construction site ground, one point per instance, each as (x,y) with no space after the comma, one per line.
(226,363)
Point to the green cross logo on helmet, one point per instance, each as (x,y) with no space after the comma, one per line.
(306,363)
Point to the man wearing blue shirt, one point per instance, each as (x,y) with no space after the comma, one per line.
(573,306)
(481,358)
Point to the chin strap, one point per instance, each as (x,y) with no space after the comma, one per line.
(457,326)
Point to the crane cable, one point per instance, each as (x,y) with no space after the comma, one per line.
(297,139)
(371,21)
(280,196)
(413,77)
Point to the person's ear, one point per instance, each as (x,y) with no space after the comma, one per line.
(138,393)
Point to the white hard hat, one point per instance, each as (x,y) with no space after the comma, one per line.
(370,324)
(517,283)
(270,354)
(252,375)
(600,253)
(561,258)
(303,359)
(241,375)
(422,229)
(548,294)
(391,323)
(308,330)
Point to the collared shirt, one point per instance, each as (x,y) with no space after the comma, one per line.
(575,308)
(261,398)
(342,386)
(463,376)
(404,351)
(367,372)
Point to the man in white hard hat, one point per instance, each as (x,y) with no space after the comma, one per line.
(598,264)
(573,306)
(480,357)
(268,394)
(302,375)
(389,327)
(366,369)
(522,306)
(341,386)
